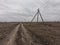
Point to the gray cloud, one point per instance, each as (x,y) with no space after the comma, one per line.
(19,10)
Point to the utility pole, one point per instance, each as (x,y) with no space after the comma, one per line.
(37,18)
(38,14)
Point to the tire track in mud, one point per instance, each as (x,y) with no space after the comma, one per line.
(10,39)
(28,38)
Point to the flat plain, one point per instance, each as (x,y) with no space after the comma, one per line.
(47,33)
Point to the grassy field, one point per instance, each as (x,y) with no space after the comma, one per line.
(48,33)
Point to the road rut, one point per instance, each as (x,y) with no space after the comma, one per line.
(10,39)
(28,38)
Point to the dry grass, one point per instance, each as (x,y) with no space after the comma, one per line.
(48,33)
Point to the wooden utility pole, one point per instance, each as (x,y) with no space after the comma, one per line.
(38,14)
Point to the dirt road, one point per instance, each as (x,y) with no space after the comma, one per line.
(28,38)
(10,39)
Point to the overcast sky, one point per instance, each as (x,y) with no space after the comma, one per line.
(24,10)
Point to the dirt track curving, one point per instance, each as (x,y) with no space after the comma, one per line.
(30,34)
(28,38)
(10,39)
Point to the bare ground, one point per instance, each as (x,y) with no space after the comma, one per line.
(10,39)
(30,33)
